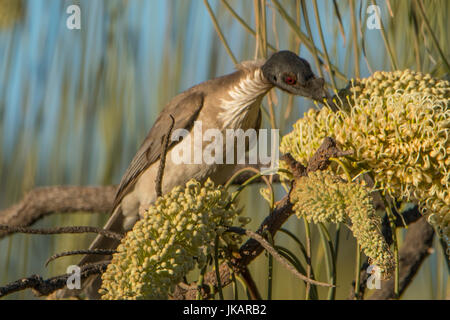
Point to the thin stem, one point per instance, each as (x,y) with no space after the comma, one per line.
(273,123)
(395,244)
(339,18)
(343,167)
(388,4)
(274,30)
(363,41)
(433,35)
(298,20)
(329,257)
(244,24)
(313,291)
(308,42)
(266,245)
(324,47)
(416,39)
(201,280)
(61,230)
(290,256)
(235,287)
(270,270)
(264,28)
(357,271)
(393,59)
(8,259)
(257,28)
(274,126)
(25,261)
(216,266)
(308,257)
(308,29)
(75,252)
(355,38)
(251,285)
(248,181)
(297,240)
(244,285)
(265,113)
(219,32)
(162,162)
(332,293)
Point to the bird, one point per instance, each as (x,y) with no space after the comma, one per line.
(228,102)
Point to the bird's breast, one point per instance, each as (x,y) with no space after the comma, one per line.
(239,107)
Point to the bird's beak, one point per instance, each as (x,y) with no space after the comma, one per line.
(313,89)
(317,88)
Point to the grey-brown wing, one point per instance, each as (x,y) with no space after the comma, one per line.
(184,109)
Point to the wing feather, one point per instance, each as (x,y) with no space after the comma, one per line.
(185,109)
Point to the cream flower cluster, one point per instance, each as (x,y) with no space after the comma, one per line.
(324,197)
(176,232)
(384,83)
(400,136)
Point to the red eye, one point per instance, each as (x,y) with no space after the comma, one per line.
(290,80)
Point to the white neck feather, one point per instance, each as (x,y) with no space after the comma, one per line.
(243,97)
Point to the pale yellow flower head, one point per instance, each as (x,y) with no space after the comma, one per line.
(323,197)
(398,128)
(176,234)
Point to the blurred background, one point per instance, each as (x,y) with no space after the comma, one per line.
(76,104)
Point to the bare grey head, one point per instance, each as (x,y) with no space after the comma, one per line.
(289,72)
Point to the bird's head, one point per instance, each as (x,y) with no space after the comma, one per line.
(289,72)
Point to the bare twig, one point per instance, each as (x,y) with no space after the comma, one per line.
(272,223)
(44,201)
(219,32)
(43,287)
(251,285)
(75,252)
(407,217)
(321,159)
(266,245)
(162,161)
(41,206)
(61,230)
(418,245)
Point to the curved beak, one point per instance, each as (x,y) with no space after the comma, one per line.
(314,89)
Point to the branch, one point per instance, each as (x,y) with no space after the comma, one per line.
(61,230)
(266,245)
(252,289)
(250,250)
(162,161)
(272,223)
(43,287)
(44,201)
(418,245)
(102,252)
(283,208)
(407,217)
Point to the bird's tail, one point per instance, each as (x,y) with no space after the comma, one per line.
(91,285)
